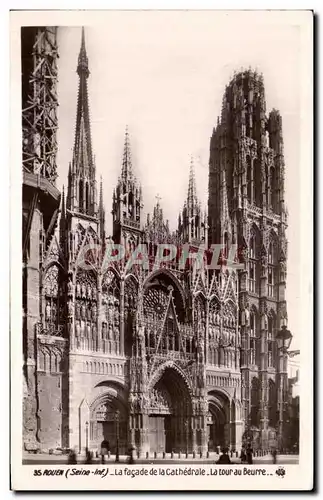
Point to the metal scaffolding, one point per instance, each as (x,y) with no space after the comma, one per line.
(39,100)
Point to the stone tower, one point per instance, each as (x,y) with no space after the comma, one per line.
(246,207)
(127,203)
(41,202)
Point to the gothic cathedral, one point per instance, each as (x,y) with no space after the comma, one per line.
(168,358)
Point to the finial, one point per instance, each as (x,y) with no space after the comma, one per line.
(158,198)
(83,64)
(126,172)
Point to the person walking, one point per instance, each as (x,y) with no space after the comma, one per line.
(249,454)
(224,458)
(105,450)
(243,455)
(72,460)
(88,459)
(274,455)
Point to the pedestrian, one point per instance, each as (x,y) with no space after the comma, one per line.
(224,458)
(243,455)
(274,455)
(72,460)
(88,459)
(131,459)
(249,454)
(105,450)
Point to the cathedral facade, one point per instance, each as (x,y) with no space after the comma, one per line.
(161,357)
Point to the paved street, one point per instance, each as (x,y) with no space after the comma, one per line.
(45,459)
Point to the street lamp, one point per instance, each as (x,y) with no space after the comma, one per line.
(87,435)
(284,339)
(186,433)
(117,416)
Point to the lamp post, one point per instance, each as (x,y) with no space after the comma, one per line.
(117,417)
(87,435)
(186,434)
(284,339)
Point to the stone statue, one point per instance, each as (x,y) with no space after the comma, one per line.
(83,311)
(89,312)
(83,290)
(77,310)
(94,311)
(263,264)
(48,311)
(70,287)
(70,308)
(110,333)
(245,317)
(78,289)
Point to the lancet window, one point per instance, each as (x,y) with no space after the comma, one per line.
(271,341)
(272,269)
(253,337)
(255,402)
(214,332)
(253,264)
(272,404)
(130,307)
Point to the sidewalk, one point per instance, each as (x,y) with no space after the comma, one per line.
(45,458)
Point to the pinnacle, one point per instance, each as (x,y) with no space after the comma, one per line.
(126,172)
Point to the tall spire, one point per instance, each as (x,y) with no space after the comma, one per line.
(83,62)
(101,213)
(192,201)
(126,172)
(81,193)
(83,157)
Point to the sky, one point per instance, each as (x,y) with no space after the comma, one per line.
(163,74)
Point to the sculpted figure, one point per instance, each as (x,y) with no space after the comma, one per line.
(70,287)
(70,308)
(77,310)
(48,311)
(94,311)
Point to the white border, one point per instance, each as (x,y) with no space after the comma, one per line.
(300,475)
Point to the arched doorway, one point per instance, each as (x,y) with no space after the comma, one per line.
(109,420)
(170,414)
(218,421)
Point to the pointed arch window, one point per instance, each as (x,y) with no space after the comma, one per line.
(256,182)
(271,344)
(267,186)
(226,245)
(272,404)
(130,205)
(81,195)
(255,402)
(250,188)
(87,197)
(252,265)
(272,270)
(253,340)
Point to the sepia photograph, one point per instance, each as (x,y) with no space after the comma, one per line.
(163,293)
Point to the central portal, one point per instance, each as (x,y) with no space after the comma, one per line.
(170,414)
